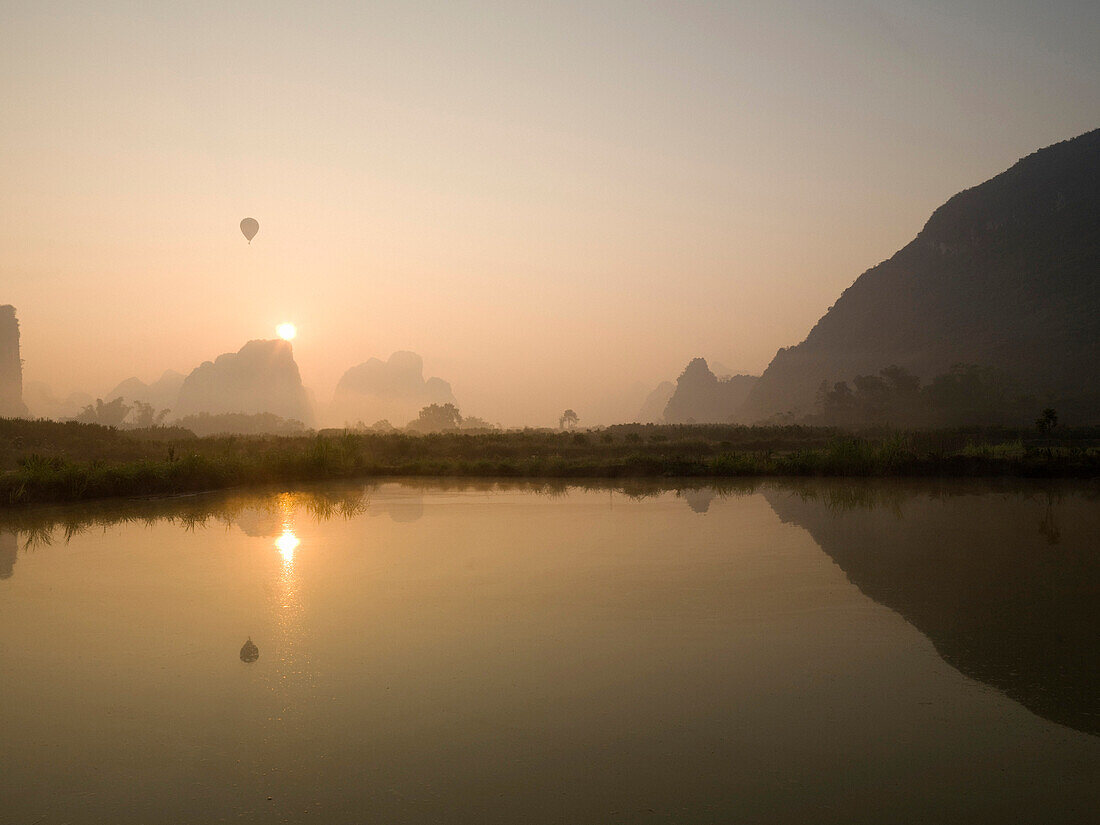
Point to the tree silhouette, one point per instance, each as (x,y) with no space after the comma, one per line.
(109,415)
(145,415)
(473,422)
(436,417)
(1047,420)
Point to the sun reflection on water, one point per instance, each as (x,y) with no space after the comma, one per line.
(286,544)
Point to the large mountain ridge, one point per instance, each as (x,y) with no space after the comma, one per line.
(1003,275)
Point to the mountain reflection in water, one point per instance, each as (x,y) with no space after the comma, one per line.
(548,652)
(1005,586)
(1003,578)
(9,549)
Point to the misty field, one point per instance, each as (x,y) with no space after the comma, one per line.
(45,461)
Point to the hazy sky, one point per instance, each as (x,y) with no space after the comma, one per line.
(551,202)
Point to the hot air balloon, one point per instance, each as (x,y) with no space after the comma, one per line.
(249,228)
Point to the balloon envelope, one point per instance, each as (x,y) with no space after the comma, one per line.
(249,227)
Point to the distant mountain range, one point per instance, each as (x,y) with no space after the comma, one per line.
(701,397)
(705,393)
(1004,276)
(653,408)
(162,393)
(394,390)
(262,377)
(237,389)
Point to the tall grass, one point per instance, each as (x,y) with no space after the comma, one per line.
(118,466)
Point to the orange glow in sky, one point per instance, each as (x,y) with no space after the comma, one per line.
(555,204)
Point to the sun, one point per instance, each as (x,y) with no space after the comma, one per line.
(286,331)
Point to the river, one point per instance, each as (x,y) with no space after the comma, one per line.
(764,652)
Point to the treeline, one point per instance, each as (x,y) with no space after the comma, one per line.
(966,395)
(434,418)
(117,413)
(204,424)
(140,416)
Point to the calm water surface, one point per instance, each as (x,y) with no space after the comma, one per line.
(817,652)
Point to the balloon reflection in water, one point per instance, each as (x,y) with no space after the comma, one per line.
(249,652)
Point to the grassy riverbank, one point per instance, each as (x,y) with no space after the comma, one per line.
(42,461)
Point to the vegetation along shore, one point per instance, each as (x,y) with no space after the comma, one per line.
(51,462)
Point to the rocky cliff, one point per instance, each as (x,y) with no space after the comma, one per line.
(703,398)
(1005,275)
(11,366)
(653,408)
(162,393)
(262,377)
(394,390)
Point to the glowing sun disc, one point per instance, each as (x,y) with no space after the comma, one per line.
(286,331)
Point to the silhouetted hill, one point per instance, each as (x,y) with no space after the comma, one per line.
(394,390)
(1005,275)
(721,370)
(162,393)
(260,378)
(702,398)
(1012,604)
(42,403)
(653,408)
(11,365)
